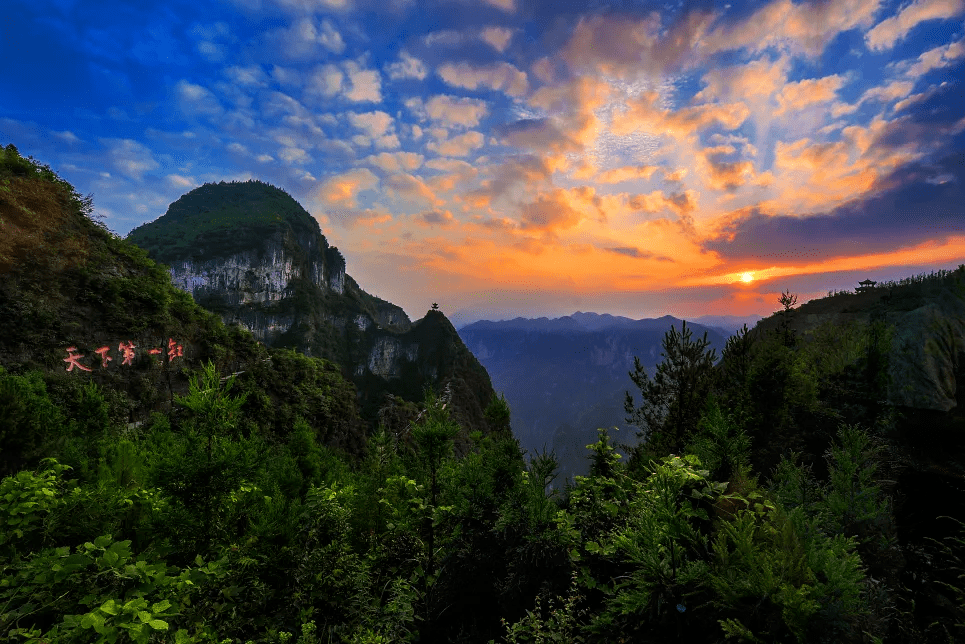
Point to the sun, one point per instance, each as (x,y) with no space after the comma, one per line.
(747,278)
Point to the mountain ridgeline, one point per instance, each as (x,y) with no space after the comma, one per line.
(565,377)
(250,253)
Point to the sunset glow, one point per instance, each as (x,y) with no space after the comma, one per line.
(515,157)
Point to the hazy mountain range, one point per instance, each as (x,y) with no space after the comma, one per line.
(565,377)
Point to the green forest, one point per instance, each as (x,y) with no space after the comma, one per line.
(759,508)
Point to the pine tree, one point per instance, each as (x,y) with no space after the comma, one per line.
(674,398)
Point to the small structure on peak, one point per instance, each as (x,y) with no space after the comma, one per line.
(866,285)
(435,307)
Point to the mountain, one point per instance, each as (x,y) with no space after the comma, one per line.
(565,377)
(85,314)
(250,253)
(728,324)
(924,318)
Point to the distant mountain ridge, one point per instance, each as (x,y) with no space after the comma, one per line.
(725,324)
(565,377)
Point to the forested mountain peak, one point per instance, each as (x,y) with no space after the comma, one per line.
(222,219)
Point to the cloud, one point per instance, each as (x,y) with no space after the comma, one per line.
(920,202)
(810,91)
(499,76)
(441,218)
(799,27)
(497,37)
(724,175)
(624,47)
(325,80)
(375,124)
(545,134)
(636,253)
(395,161)
(250,76)
(559,209)
(365,84)
(457,146)
(888,93)
(67,136)
(307,38)
(294,156)
(682,204)
(299,6)
(342,189)
(626,173)
(935,58)
(889,31)
(407,67)
(508,6)
(286,76)
(759,78)
(180,182)
(409,187)
(642,114)
(196,100)
(453,110)
(130,158)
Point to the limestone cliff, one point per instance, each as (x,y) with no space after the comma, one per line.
(250,253)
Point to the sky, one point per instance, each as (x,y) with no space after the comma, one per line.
(525,157)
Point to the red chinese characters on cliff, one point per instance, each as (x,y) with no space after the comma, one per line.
(126,350)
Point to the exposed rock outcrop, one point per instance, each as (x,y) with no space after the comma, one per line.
(253,255)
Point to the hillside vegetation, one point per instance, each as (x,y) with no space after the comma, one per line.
(760,509)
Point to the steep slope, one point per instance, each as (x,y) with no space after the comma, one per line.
(250,253)
(926,315)
(82,306)
(564,378)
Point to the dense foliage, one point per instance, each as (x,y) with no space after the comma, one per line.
(212,526)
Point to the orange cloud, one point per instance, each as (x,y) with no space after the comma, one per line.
(560,209)
(643,114)
(342,189)
(721,174)
(627,48)
(811,91)
(395,161)
(442,218)
(408,187)
(681,204)
(626,173)
(757,79)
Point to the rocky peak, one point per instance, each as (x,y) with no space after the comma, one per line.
(250,253)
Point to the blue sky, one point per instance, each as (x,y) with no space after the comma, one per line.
(507,157)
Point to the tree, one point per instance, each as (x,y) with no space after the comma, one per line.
(214,415)
(497,415)
(788,301)
(433,433)
(674,398)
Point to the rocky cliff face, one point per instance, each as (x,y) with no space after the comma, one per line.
(262,275)
(273,272)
